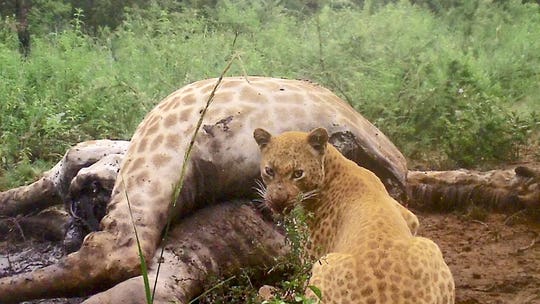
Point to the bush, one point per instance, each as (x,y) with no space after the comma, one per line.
(457,86)
(440,91)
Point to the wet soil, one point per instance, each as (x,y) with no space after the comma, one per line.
(24,256)
(493,261)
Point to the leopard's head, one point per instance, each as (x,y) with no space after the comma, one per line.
(292,167)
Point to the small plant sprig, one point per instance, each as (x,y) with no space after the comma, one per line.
(144,268)
(298,262)
(293,269)
(77,21)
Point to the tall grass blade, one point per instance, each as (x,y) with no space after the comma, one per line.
(178,187)
(144,268)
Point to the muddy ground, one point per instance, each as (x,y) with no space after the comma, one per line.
(494,260)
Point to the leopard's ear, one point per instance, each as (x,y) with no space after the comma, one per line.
(318,138)
(262,137)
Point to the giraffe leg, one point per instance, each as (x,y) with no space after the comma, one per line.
(110,256)
(25,199)
(104,259)
(193,253)
(89,270)
(52,187)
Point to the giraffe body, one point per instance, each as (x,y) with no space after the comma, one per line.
(366,252)
(224,164)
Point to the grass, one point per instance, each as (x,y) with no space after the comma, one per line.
(452,88)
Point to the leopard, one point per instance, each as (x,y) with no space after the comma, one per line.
(223,164)
(364,251)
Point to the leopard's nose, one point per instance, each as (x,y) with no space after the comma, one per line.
(279,197)
(277,200)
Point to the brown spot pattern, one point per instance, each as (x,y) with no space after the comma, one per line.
(157,141)
(374,274)
(172,141)
(364,237)
(159,160)
(188,100)
(141,146)
(170,120)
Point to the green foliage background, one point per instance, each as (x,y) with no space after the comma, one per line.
(452,83)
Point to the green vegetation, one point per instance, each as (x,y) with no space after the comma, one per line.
(453,85)
(288,278)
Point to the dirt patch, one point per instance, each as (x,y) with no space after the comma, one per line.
(493,262)
(24,256)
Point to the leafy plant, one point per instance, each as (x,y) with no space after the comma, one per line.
(288,278)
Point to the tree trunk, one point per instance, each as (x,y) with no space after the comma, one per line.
(22,8)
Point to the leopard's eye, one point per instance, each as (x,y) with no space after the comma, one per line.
(269,171)
(298,174)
